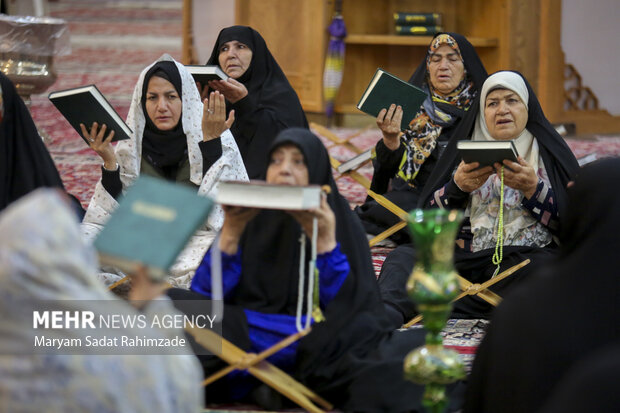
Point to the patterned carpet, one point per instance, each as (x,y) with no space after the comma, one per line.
(113,41)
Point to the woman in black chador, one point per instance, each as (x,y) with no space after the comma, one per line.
(452,75)
(544,330)
(26,164)
(351,358)
(260,94)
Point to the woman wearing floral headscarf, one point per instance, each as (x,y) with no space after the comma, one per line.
(451,75)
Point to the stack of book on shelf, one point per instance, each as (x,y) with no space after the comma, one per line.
(417,24)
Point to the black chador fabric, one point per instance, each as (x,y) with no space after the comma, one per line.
(590,386)
(564,314)
(26,164)
(163,149)
(270,106)
(375,217)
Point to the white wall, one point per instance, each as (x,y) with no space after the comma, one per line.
(208,18)
(590,36)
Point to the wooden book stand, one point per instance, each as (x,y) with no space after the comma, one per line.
(362,180)
(481,290)
(381,200)
(346,142)
(260,368)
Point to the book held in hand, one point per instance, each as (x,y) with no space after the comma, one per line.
(384,89)
(487,152)
(86,105)
(355,161)
(261,195)
(205,73)
(151,226)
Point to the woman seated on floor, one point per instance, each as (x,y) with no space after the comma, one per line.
(175,137)
(257,90)
(564,316)
(534,194)
(45,265)
(353,349)
(452,75)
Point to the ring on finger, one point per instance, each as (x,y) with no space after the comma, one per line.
(209,110)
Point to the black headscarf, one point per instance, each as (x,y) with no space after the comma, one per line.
(355,319)
(163,148)
(271,105)
(26,164)
(567,312)
(559,161)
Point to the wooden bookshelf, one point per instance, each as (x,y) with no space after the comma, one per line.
(396,40)
(523,35)
(492,26)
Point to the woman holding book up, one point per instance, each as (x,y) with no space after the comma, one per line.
(350,348)
(257,90)
(175,137)
(521,200)
(452,75)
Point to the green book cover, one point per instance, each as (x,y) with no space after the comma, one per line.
(420,19)
(151,226)
(384,89)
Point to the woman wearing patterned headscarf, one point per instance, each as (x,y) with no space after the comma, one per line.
(520,201)
(175,137)
(257,90)
(451,75)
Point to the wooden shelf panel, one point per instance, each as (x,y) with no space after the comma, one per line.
(349,109)
(389,39)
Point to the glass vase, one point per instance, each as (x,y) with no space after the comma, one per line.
(432,286)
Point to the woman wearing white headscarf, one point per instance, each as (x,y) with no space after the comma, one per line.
(43,258)
(178,139)
(521,201)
